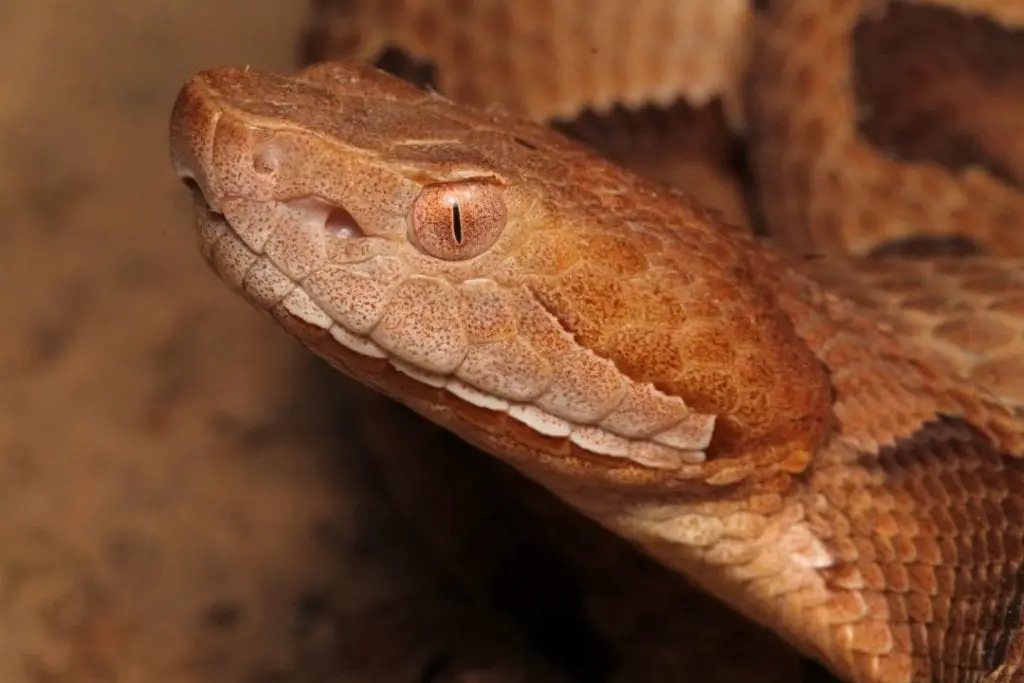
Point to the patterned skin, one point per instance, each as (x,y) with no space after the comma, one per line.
(678,382)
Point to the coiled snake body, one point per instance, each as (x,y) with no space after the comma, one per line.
(789,446)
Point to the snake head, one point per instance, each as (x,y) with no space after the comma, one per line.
(498,278)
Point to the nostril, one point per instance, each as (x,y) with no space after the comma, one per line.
(190,183)
(341,223)
(195,190)
(198,196)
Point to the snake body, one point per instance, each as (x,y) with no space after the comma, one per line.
(752,419)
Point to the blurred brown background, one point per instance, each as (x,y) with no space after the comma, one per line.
(167,491)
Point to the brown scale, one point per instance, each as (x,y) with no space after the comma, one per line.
(937,86)
(943,523)
(858,222)
(970,315)
(826,184)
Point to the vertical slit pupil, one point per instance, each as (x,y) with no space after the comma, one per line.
(457,222)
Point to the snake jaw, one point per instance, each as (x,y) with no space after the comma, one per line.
(576,343)
(618,427)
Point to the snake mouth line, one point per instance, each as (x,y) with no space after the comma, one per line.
(268,285)
(208,221)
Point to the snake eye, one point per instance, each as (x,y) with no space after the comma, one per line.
(458,220)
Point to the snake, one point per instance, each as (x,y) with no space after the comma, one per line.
(776,428)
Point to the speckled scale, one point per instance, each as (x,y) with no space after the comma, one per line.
(944,576)
(825,184)
(836,470)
